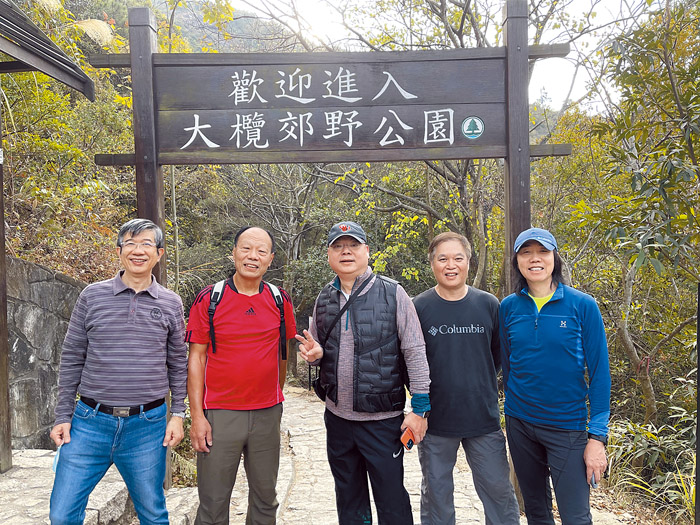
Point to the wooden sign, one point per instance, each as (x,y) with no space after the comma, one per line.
(257,108)
(324,107)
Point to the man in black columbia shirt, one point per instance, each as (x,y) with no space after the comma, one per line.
(460,326)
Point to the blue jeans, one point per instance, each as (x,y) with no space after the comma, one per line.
(134,444)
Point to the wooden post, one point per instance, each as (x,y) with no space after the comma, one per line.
(150,198)
(517,164)
(5,415)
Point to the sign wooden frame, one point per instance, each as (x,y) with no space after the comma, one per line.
(286,107)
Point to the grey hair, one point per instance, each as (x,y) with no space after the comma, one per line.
(136,226)
(449,236)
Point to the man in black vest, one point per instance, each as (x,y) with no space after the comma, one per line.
(366,350)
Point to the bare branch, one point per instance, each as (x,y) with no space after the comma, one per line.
(673,333)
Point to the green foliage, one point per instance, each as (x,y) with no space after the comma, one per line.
(58,207)
(292,202)
(409,203)
(61,210)
(655,139)
(659,461)
(399,232)
(632,231)
(608,229)
(217,13)
(309,274)
(116,12)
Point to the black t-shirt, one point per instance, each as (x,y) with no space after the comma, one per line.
(463,349)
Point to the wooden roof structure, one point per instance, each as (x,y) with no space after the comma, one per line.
(32,50)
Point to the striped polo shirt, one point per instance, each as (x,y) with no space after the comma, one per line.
(123,348)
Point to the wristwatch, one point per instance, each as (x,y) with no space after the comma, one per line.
(177,414)
(597,437)
(422,414)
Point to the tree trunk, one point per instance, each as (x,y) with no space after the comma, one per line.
(639,364)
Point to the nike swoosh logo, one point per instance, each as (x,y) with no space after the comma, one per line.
(397,454)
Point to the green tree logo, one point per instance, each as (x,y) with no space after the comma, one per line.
(472,127)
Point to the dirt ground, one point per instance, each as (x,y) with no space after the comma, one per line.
(609,510)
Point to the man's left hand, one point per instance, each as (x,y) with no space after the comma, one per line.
(417,424)
(595,459)
(173,432)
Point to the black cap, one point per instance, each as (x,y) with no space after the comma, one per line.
(350,228)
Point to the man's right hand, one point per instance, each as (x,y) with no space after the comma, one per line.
(60,434)
(200,434)
(310,349)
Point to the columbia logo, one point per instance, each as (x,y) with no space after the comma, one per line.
(433,331)
(250,311)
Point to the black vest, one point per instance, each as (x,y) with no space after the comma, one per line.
(378,365)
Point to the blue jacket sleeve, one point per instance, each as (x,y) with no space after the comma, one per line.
(595,349)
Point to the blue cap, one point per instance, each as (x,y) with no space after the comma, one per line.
(349,228)
(545,238)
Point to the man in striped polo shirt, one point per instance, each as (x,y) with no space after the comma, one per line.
(124,350)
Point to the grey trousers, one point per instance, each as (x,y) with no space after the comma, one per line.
(256,435)
(487,459)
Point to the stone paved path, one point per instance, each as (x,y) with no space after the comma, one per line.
(305,486)
(311,495)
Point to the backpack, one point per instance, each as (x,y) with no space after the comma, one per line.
(217,292)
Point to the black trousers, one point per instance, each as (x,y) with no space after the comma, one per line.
(358,449)
(540,452)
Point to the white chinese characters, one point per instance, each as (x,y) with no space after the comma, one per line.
(267,113)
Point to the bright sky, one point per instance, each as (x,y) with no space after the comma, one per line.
(552,77)
(315,12)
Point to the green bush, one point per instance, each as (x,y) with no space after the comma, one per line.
(658,462)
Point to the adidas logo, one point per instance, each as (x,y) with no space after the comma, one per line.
(250,311)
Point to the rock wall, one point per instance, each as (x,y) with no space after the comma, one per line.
(39,304)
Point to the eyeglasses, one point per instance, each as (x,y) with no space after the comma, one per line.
(341,246)
(131,245)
